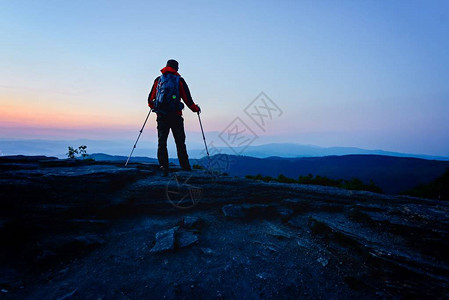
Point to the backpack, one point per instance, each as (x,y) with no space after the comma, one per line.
(167,95)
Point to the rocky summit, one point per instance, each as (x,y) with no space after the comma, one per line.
(73,229)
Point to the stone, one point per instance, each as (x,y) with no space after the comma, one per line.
(263,276)
(165,240)
(323,261)
(192,222)
(302,244)
(207,251)
(277,232)
(272,249)
(187,239)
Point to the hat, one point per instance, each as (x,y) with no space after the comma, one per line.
(173,63)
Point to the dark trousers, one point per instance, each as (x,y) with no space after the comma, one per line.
(176,124)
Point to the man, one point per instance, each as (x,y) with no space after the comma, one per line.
(165,100)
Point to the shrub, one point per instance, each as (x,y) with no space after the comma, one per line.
(72,152)
(357,184)
(284,179)
(318,180)
(260,177)
(437,189)
(80,150)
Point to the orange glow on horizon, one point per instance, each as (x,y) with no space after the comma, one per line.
(16,113)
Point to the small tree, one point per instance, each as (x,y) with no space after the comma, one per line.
(80,150)
(72,152)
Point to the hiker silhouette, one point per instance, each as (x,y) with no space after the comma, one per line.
(165,99)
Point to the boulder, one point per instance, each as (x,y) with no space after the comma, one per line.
(186,239)
(192,222)
(173,238)
(165,240)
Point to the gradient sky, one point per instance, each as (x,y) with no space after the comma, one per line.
(369,74)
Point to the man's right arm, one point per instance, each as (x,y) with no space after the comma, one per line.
(152,94)
(186,96)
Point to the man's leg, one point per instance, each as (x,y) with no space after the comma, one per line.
(177,127)
(163,128)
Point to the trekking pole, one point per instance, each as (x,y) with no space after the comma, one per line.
(204,138)
(140,132)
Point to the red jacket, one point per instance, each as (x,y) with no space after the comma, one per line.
(184,91)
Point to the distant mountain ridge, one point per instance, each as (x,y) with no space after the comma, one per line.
(298,150)
(118,158)
(58,148)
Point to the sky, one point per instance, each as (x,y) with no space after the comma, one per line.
(368,74)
